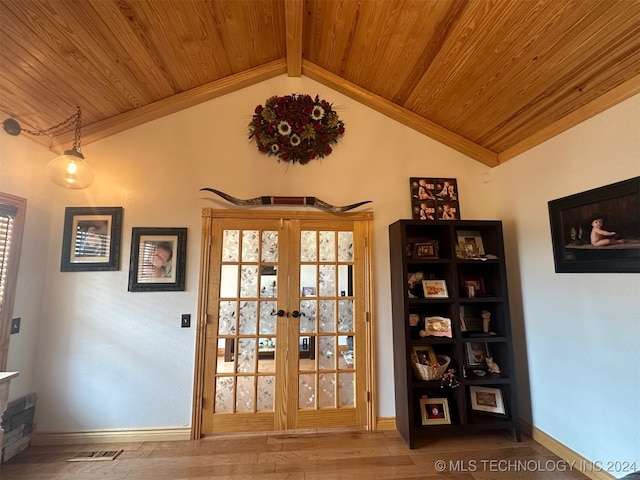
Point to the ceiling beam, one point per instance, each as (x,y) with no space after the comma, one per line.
(400,114)
(293,14)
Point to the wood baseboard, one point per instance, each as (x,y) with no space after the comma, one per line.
(584,466)
(111,436)
(385,423)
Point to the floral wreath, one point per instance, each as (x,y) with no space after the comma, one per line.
(296,128)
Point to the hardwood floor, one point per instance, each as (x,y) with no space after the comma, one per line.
(307,455)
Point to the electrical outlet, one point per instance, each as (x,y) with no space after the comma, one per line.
(186,320)
(15,326)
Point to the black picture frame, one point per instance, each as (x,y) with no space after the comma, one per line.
(434,198)
(572,217)
(158,259)
(91,239)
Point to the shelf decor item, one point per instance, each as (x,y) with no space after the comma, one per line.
(434,411)
(435,289)
(427,365)
(296,128)
(487,399)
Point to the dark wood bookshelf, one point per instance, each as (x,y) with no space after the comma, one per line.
(452,265)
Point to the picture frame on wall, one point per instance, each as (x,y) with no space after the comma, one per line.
(434,198)
(435,411)
(158,259)
(91,239)
(597,231)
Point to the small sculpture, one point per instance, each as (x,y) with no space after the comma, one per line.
(493,366)
(486,318)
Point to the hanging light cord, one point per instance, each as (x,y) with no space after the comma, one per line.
(62,127)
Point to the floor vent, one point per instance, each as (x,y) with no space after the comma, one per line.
(95,456)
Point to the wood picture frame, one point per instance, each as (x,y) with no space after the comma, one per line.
(573,219)
(470,241)
(435,289)
(435,411)
(475,281)
(158,259)
(434,198)
(426,249)
(487,399)
(91,239)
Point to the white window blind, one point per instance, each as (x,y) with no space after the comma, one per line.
(7,218)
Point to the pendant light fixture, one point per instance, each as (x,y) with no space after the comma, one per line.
(69,170)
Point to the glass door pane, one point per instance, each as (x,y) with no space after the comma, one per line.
(247,327)
(326,334)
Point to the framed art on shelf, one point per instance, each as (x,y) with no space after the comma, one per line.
(487,399)
(597,231)
(434,198)
(438,327)
(435,411)
(476,354)
(435,289)
(158,259)
(473,286)
(427,249)
(91,239)
(471,243)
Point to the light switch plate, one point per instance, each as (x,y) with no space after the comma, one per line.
(15,326)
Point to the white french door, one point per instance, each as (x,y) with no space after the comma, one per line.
(286,343)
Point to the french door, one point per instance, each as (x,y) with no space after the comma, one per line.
(286,341)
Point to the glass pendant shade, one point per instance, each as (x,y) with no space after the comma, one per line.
(70,170)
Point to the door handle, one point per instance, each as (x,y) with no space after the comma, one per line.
(280,313)
(295,314)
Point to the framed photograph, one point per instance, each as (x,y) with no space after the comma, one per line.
(428,249)
(487,399)
(597,230)
(471,242)
(476,354)
(438,327)
(472,286)
(158,259)
(91,239)
(308,291)
(435,289)
(434,198)
(414,319)
(424,354)
(434,411)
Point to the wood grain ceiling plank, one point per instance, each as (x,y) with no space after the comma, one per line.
(570,80)
(603,102)
(110,126)
(441,29)
(408,28)
(293,13)
(610,67)
(51,60)
(129,46)
(484,47)
(400,114)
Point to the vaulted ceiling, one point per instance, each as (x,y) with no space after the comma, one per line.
(490,78)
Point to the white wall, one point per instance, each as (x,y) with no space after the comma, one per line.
(21,165)
(577,335)
(107,358)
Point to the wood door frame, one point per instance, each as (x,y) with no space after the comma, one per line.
(209,216)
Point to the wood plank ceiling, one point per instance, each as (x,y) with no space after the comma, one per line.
(490,78)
